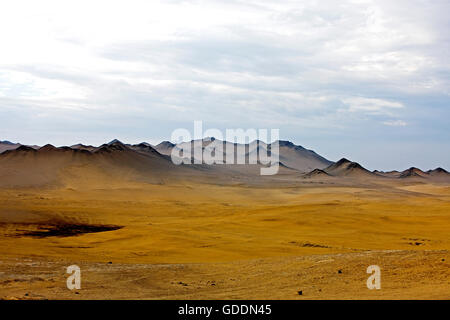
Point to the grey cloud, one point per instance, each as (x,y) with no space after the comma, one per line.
(293,69)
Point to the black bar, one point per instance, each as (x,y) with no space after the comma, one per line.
(236,309)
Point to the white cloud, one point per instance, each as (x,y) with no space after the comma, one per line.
(395,123)
(371,106)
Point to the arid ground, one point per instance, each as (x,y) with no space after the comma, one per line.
(202,240)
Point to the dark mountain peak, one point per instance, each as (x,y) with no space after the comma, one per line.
(438,171)
(354,165)
(7,142)
(117,144)
(25,148)
(317,173)
(342,162)
(114,141)
(114,145)
(80,146)
(51,148)
(47,147)
(166,144)
(291,145)
(144,147)
(413,172)
(285,143)
(345,167)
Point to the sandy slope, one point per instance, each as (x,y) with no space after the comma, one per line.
(193,232)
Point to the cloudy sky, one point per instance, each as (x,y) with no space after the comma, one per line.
(368,80)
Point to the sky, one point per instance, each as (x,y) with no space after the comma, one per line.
(361,79)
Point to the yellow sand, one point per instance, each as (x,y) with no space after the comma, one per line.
(271,235)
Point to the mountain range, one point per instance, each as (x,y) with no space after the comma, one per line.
(32,165)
